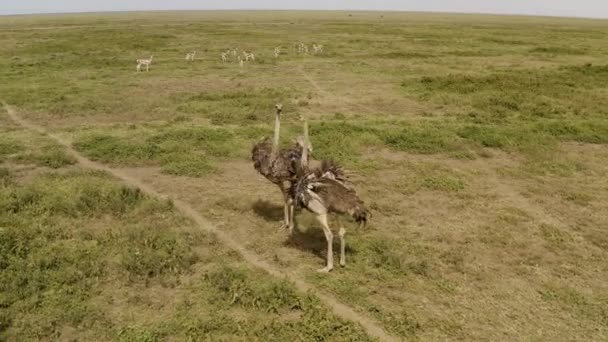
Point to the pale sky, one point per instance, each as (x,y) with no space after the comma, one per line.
(575,8)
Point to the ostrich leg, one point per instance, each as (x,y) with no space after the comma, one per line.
(286,208)
(292,219)
(330,240)
(342,244)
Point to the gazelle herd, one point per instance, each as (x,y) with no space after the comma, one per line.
(240,56)
(302,48)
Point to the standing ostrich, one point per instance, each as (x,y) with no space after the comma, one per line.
(278,166)
(323,191)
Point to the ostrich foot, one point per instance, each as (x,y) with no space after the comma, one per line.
(342,263)
(290,227)
(325,269)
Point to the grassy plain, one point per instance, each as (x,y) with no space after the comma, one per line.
(479,142)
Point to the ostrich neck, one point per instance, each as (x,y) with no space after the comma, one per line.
(305,147)
(277,127)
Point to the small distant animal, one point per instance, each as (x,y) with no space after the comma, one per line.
(317,48)
(248,56)
(190,56)
(302,48)
(145,62)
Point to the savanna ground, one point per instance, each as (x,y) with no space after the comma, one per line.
(479,143)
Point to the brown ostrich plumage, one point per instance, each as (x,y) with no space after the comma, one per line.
(326,190)
(278,166)
(333,195)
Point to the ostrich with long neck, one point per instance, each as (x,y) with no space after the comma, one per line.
(324,191)
(278,166)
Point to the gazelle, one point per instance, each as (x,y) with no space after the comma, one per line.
(224,57)
(190,56)
(248,56)
(241,62)
(302,48)
(145,62)
(317,48)
(277,52)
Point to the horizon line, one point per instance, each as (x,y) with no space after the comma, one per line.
(303,10)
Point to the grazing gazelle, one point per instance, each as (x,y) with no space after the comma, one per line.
(302,48)
(248,56)
(145,62)
(190,56)
(317,48)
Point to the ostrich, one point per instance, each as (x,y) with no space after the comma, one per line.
(324,191)
(279,166)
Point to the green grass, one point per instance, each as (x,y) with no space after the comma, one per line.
(241,107)
(179,150)
(51,269)
(8,148)
(443,184)
(18,146)
(49,156)
(68,240)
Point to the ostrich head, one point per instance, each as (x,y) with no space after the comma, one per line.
(279,108)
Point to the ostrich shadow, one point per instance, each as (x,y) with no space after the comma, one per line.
(312,240)
(268,211)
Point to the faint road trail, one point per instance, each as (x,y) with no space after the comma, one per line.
(342,310)
(329,95)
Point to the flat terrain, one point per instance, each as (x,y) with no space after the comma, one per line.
(478,142)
